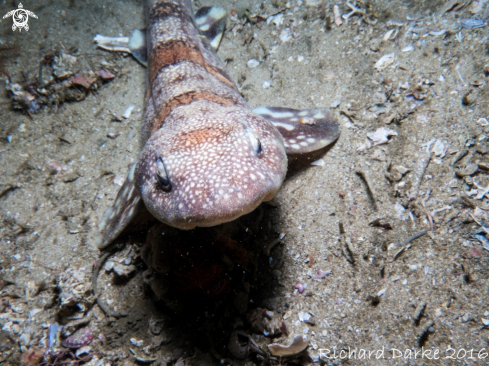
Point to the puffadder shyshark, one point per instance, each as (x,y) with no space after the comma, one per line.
(208,158)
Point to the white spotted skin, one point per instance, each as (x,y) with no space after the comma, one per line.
(221,158)
(216,176)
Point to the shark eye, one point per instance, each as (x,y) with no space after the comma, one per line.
(255,142)
(162,175)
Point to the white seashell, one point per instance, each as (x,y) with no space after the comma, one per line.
(118,180)
(388,35)
(337,15)
(335,103)
(136,342)
(127,112)
(364,146)
(381,136)
(108,265)
(300,58)
(439,149)
(401,211)
(33,312)
(408,48)
(285,35)
(385,61)
(319,162)
(304,317)
(278,19)
(252,63)
(483,122)
(83,351)
(123,270)
(267,84)
(381,292)
(438,33)
(313,3)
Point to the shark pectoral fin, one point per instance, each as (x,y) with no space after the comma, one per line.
(303,130)
(211,21)
(116,218)
(135,44)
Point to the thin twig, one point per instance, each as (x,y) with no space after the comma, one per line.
(414,237)
(370,192)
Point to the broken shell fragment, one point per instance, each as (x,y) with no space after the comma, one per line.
(80,338)
(469,169)
(385,61)
(104,74)
(252,63)
(83,79)
(381,136)
(439,149)
(320,274)
(297,346)
(113,135)
(337,15)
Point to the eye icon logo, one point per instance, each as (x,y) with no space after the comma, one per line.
(20,18)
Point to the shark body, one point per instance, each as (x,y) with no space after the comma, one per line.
(208,158)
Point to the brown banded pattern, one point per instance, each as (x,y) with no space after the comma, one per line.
(208,158)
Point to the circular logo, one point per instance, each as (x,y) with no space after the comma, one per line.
(20,18)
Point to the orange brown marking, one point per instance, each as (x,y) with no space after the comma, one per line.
(173,52)
(188,98)
(197,137)
(163,10)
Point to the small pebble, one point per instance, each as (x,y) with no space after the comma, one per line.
(335,103)
(136,342)
(118,180)
(300,287)
(252,63)
(127,112)
(113,135)
(83,351)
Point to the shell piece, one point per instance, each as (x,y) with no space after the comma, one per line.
(439,149)
(381,136)
(82,337)
(285,35)
(385,61)
(83,79)
(472,23)
(83,351)
(252,63)
(105,74)
(297,346)
(304,317)
(337,15)
(469,169)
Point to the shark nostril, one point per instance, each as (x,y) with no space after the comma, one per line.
(162,175)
